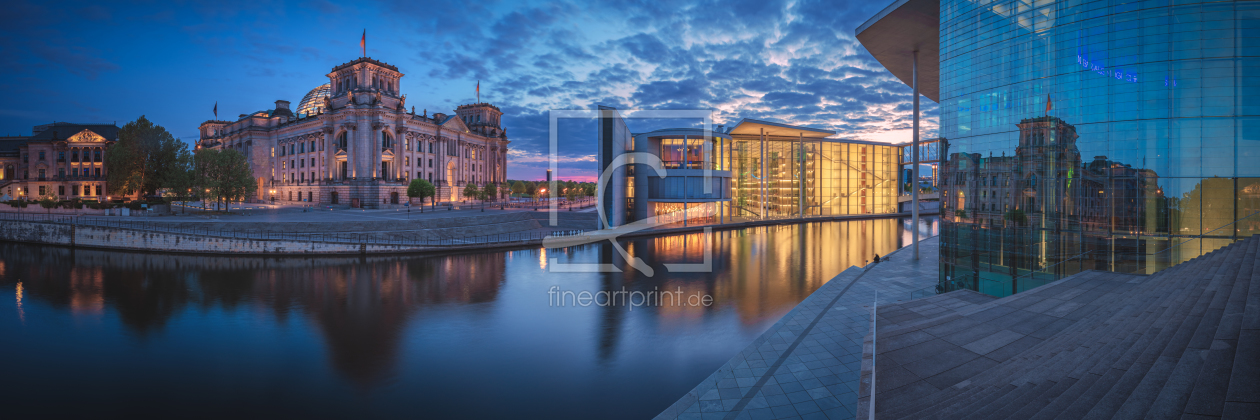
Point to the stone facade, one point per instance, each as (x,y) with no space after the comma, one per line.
(65,160)
(363,145)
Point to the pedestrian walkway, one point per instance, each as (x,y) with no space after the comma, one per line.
(1181,343)
(808,365)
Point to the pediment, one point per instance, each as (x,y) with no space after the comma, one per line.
(86,136)
(455,123)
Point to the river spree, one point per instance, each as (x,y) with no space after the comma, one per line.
(91,333)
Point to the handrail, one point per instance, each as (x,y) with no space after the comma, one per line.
(1201,235)
(346,237)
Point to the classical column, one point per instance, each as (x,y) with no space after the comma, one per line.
(329,150)
(362,147)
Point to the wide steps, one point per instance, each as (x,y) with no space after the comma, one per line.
(1182,342)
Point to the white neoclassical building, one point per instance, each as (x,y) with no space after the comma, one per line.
(354,141)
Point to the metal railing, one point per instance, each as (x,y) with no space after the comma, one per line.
(1197,237)
(341,237)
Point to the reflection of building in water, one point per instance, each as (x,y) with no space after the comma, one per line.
(762,271)
(361,306)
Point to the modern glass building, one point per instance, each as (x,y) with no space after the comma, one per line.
(1105,135)
(752,170)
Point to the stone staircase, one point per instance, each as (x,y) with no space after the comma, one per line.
(1182,343)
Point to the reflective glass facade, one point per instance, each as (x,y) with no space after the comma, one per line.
(1106,135)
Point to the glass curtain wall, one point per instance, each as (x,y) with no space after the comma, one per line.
(1119,136)
(828,177)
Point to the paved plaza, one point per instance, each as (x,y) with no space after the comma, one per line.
(808,365)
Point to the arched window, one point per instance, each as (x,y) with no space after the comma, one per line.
(341,140)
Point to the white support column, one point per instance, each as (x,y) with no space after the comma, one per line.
(800,188)
(764,177)
(914,160)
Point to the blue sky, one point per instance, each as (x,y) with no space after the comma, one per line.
(795,62)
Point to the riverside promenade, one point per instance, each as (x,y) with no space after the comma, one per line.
(295,230)
(809,364)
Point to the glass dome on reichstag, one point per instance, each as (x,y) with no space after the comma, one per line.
(313,102)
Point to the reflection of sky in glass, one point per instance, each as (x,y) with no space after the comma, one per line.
(1166,123)
(452,336)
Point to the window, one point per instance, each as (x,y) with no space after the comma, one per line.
(41,177)
(74,157)
(430,163)
(74,190)
(302,148)
(284,165)
(303,164)
(96,156)
(41,155)
(42,191)
(407,160)
(61,156)
(312,162)
(61,190)
(430,150)
(97,172)
(61,173)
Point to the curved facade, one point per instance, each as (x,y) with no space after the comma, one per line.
(1094,135)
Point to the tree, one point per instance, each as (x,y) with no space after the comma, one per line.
(471,191)
(571,194)
(421,188)
(531,188)
(518,187)
(490,191)
(144,157)
(48,202)
(222,175)
(1014,250)
(179,178)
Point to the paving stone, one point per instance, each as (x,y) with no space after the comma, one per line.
(825,333)
(1180,343)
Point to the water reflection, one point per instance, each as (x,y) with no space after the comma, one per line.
(398,335)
